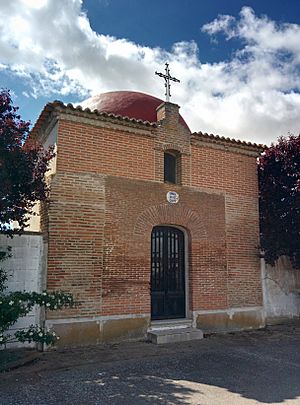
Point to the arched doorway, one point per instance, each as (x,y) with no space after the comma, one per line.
(167,273)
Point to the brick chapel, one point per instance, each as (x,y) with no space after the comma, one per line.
(147,224)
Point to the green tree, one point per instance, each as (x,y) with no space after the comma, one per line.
(279,186)
(23,165)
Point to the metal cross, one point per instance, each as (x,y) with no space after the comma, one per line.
(167,78)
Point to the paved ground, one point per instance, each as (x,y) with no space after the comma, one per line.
(261,367)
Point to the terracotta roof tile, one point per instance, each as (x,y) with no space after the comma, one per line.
(71,109)
(226,140)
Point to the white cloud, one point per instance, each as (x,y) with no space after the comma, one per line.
(253,96)
(222,23)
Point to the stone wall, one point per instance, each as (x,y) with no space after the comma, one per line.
(24,270)
(281,290)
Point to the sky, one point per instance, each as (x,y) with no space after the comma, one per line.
(238,61)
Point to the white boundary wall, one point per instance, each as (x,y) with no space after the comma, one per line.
(281,290)
(24,270)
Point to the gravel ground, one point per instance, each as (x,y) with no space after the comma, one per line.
(259,367)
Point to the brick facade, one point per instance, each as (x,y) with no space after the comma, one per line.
(107,194)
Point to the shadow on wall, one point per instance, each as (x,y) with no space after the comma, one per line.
(281,288)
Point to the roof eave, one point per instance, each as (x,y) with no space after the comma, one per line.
(59,107)
(226,141)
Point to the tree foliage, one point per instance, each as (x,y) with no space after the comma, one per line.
(279,183)
(23,164)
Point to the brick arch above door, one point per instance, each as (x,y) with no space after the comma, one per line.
(167,214)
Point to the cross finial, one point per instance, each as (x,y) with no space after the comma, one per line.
(167,78)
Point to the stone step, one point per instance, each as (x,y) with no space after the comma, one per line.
(170,324)
(164,336)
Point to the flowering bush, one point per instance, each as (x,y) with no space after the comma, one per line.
(36,334)
(17,304)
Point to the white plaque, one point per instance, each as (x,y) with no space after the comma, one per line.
(172,197)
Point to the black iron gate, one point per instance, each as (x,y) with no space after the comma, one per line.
(167,273)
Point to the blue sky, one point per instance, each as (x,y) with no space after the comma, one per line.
(150,23)
(238,62)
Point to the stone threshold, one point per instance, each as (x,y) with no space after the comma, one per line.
(165,324)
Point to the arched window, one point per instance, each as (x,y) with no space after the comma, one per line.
(170,167)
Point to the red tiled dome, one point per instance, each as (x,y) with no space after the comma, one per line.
(130,104)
